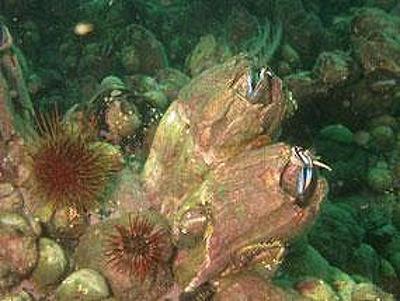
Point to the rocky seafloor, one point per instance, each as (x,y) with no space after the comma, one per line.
(147,150)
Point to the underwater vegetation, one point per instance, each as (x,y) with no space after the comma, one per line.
(199,150)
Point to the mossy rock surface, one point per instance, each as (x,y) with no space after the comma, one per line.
(52,264)
(338,133)
(18,252)
(21,296)
(85,284)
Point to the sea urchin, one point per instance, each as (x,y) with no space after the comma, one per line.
(67,167)
(139,249)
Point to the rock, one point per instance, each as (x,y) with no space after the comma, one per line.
(31,39)
(336,234)
(84,285)
(387,271)
(92,60)
(207,53)
(394,259)
(141,51)
(369,292)
(35,84)
(365,102)
(365,262)
(305,261)
(66,223)
(386,5)
(157,99)
(374,36)
(13,158)
(18,254)
(376,217)
(362,138)
(246,287)
(142,83)
(262,43)
(380,179)
(382,137)
(187,262)
(111,83)
(396,211)
(385,86)
(307,38)
(52,263)
(150,92)
(304,85)
(388,278)
(383,120)
(240,27)
(21,296)
(14,97)
(128,195)
(11,199)
(284,69)
(122,119)
(113,113)
(342,283)
(170,82)
(130,59)
(333,68)
(338,133)
(88,85)
(316,289)
(6,189)
(290,55)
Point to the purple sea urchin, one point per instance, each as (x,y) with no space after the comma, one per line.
(137,249)
(67,168)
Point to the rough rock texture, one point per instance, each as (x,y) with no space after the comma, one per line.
(19,251)
(84,285)
(375,35)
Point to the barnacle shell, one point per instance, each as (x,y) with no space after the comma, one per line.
(211,121)
(213,150)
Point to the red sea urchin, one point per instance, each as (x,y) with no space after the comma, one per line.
(67,167)
(139,249)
